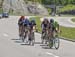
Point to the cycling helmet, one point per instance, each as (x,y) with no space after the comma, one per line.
(51,20)
(45,19)
(33,20)
(22,17)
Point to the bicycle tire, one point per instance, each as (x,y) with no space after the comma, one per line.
(50,43)
(56,42)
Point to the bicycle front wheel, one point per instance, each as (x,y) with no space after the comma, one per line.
(56,42)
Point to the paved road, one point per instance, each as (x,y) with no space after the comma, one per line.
(10,46)
(64,21)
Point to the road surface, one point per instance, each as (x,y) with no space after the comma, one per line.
(10,46)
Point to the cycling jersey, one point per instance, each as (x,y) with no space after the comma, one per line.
(32,24)
(56,24)
(53,26)
(26,22)
(20,22)
(44,25)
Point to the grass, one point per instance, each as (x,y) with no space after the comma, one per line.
(0,10)
(49,10)
(68,33)
(73,20)
(67,8)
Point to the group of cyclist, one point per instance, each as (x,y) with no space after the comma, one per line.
(50,26)
(49,29)
(26,26)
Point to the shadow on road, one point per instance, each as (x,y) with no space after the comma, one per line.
(43,45)
(15,39)
(18,41)
(25,44)
(46,47)
(37,42)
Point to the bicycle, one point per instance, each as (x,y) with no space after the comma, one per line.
(24,34)
(54,41)
(31,37)
(45,36)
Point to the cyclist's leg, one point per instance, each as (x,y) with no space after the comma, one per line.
(25,33)
(29,34)
(52,32)
(56,33)
(20,31)
(50,39)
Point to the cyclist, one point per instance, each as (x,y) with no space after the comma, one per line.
(53,26)
(26,22)
(26,26)
(20,24)
(45,27)
(32,26)
(44,24)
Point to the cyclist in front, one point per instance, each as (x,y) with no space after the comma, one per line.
(26,27)
(20,24)
(45,26)
(53,27)
(32,26)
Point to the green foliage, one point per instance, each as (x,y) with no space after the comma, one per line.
(58,2)
(67,8)
(68,32)
(49,10)
(0,10)
(73,19)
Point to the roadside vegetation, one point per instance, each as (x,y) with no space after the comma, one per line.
(67,32)
(68,9)
(73,20)
(0,10)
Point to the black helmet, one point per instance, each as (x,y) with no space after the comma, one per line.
(51,20)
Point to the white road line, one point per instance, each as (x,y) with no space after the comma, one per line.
(6,35)
(51,54)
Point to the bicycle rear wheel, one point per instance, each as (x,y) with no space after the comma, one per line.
(50,43)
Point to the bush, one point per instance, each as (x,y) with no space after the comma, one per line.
(73,19)
(49,10)
(68,9)
(0,10)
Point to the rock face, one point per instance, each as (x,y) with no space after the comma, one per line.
(1,3)
(37,9)
(6,5)
(23,8)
